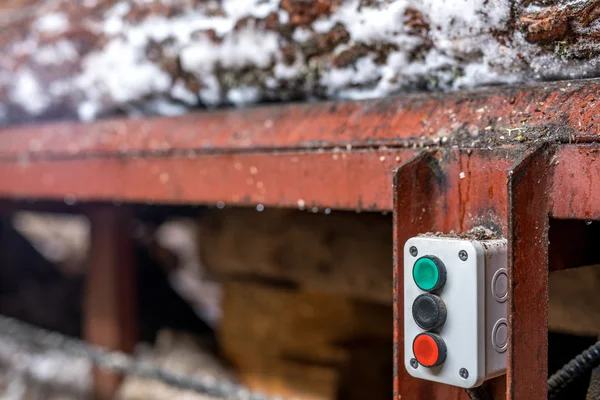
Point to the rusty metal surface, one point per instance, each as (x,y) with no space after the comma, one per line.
(529,188)
(355,179)
(415,189)
(576,190)
(562,111)
(347,180)
(443,191)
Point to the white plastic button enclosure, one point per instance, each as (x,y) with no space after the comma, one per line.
(475,331)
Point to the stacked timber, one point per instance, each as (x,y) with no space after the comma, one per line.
(307,300)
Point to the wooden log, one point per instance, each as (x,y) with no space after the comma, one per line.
(344,253)
(65,59)
(302,344)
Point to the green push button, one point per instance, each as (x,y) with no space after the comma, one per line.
(429,273)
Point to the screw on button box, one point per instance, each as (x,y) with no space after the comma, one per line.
(455,326)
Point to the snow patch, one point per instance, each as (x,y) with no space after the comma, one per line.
(53,22)
(284,16)
(248,47)
(364,72)
(211,93)
(236,9)
(182,93)
(302,34)
(121,73)
(87,111)
(288,72)
(459,30)
(160,106)
(59,88)
(56,53)
(372,25)
(243,95)
(113,22)
(28,93)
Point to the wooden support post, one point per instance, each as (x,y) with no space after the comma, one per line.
(110,308)
(529,184)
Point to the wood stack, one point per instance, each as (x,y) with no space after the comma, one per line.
(307,300)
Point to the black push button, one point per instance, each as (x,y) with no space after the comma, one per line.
(429,311)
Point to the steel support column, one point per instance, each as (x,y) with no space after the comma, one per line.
(109,310)
(443,191)
(529,185)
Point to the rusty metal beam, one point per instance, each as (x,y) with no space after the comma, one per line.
(319,178)
(357,179)
(416,188)
(529,187)
(446,190)
(110,309)
(346,180)
(575,193)
(562,111)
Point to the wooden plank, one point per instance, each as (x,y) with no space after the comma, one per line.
(345,253)
(574,305)
(298,343)
(110,307)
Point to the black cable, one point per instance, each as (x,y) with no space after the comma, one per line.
(478,393)
(585,361)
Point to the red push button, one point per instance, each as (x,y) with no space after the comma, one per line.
(429,349)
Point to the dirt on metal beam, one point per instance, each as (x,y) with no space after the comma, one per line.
(564,112)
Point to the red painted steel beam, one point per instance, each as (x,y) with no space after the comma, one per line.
(562,111)
(529,189)
(345,180)
(110,312)
(442,191)
(357,179)
(575,192)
